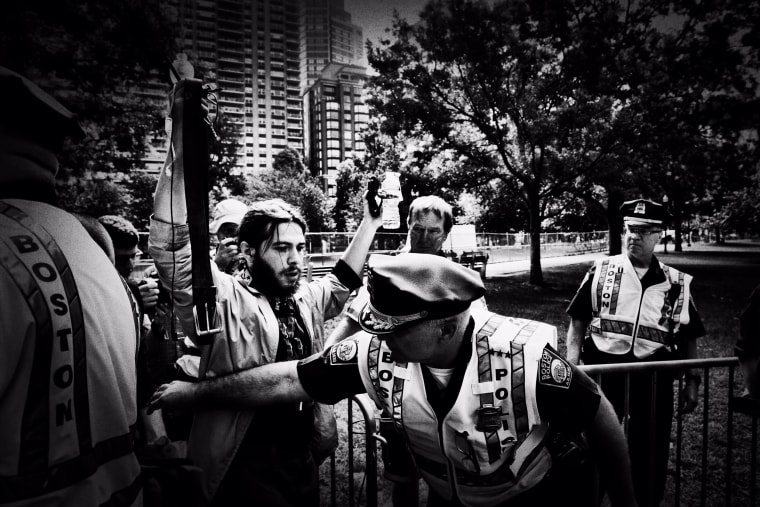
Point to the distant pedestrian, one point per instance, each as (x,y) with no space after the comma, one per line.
(227,216)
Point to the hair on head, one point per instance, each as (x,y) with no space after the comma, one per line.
(122,232)
(432,204)
(260,222)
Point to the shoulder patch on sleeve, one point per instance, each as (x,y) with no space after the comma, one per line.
(554,370)
(344,352)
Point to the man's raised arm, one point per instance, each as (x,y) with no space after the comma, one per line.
(169,204)
(356,253)
(247,389)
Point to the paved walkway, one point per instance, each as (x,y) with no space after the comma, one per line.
(509,268)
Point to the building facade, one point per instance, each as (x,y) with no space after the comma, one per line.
(337,117)
(249,51)
(326,36)
(286,76)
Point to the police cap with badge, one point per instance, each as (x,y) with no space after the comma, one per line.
(645,213)
(410,288)
(33,126)
(34,114)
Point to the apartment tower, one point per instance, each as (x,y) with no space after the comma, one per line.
(249,51)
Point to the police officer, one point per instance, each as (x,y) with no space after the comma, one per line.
(68,328)
(475,394)
(638,309)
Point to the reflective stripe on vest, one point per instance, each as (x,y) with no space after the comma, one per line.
(59,362)
(484,375)
(479,463)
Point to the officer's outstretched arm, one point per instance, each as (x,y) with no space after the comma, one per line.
(263,385)
(608,444)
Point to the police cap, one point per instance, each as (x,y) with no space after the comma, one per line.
(409,288)
(644,212)
(32,113)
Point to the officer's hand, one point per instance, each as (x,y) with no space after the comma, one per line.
(227,252)
(689,397)
(149,293)
(177,394)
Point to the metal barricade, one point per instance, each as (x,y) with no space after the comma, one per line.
(370,436)
(713,475)
(715,446)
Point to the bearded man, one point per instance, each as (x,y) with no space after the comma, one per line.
(265,456)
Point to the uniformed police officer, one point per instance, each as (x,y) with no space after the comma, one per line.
(638,309)
(475,394)
(68,329)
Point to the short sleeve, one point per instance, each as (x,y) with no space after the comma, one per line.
(567,398)
(580,306)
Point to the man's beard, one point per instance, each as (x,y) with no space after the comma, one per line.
(263,278)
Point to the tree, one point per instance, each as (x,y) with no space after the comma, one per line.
(94,196)
(349,186)
(224,180)
(498,86)
(92,55)
(288,179)
(696,100)
(140,198)
(570,98)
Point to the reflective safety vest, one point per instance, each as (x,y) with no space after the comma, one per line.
(491,441)
(69,331)
(625,317)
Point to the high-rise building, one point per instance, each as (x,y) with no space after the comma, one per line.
(337,116)
(249,51)
(327,36)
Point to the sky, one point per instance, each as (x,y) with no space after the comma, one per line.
(374,16)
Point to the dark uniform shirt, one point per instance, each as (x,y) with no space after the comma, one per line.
(332,376)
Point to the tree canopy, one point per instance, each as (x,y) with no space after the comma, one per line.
(545,101)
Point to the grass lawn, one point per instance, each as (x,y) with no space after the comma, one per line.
(724,276)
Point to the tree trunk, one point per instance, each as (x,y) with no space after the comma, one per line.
(677,216)
(614,222)
(536,275)
(679,238)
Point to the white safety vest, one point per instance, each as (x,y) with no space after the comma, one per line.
(625,316)
(68,378)
(492,457)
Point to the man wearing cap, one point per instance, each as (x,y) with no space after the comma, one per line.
(475,394)
(227,216)
(429,221)
(68,328)
(125,239)
(637,309)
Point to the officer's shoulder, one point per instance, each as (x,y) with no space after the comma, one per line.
(554,370)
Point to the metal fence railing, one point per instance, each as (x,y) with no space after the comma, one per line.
(714,453)
(325,248)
